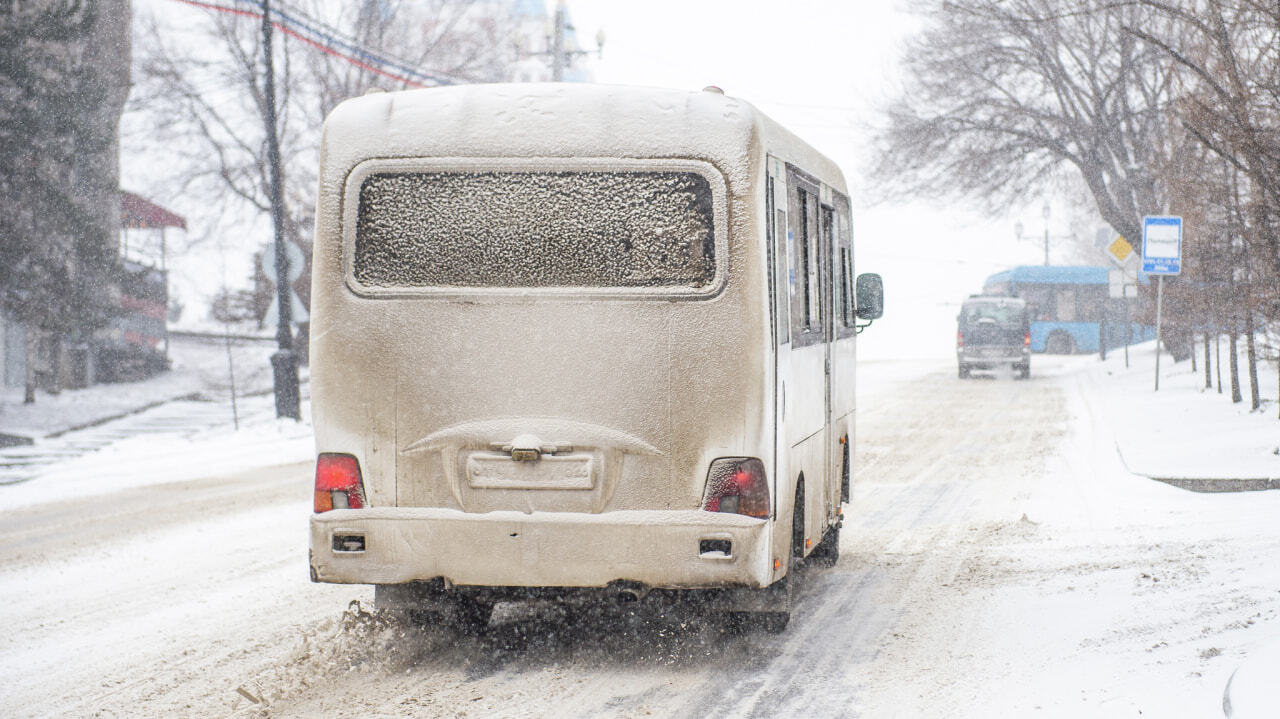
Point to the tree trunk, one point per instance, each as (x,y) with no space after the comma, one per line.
(1255,401)
(1217,358)
(1208,379)
(55,366)
(1235,366)
(29,395)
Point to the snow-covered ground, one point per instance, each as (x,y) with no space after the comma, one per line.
(1005,555)
(1091,590)
(200,367)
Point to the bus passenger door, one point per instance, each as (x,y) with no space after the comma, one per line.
(805,414)
(831,486)
(782,287)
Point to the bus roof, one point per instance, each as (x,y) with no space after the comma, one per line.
(540,120)
(1052,274)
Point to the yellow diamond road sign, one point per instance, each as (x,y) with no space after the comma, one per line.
(1120,249)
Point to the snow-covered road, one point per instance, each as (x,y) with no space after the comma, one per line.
(997,560)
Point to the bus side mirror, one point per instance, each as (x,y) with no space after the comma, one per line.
(869,293)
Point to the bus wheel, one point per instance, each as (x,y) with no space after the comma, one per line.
(1060,343)
(827,553)
(775,621)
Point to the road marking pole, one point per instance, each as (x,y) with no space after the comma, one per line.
(1159,303)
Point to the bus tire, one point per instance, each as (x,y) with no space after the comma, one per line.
(827,553)
(846,488)
(774,622)
(796,555)
(771,611)
(1060,343)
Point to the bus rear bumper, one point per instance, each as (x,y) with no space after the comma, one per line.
(657,549)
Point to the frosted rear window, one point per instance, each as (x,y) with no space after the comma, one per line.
(535,229)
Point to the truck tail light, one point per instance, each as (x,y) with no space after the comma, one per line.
(338,482)
(737,485)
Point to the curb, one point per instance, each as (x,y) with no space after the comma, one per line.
(1220,485)
(15,440)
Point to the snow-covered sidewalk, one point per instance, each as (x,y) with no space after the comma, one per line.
(1185,434)
(200,370)
(92,439)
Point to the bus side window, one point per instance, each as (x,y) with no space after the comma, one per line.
(842,286)
(775,219)
(827,224)
(802,226)
(1066,304)
(847,324)
(807,242)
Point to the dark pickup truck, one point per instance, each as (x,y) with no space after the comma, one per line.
(992,332)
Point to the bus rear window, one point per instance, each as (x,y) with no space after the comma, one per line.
(505,229)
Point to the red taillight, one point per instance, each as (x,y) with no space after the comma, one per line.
(737,485)
(338,483)
(959,339)
(1026,339)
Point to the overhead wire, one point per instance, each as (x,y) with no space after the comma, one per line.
(334,36)
(316,34)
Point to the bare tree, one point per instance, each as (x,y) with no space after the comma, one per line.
(1231,66)
(200,99)
(1001,93)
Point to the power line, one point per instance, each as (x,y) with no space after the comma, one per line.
(335,36)
(314,33)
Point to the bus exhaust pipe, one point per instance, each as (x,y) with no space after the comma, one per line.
(629,595)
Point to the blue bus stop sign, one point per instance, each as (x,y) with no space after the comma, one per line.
(1162,245)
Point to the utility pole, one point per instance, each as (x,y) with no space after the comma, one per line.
(558,59)
(284,363)
(557,37)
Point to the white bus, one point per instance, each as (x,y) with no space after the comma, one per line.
(576,340)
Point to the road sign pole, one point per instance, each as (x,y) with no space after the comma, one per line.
(1159,304)
(1128,327)
(1161,255)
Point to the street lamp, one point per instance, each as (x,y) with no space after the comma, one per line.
(1044,212)
(1018,229)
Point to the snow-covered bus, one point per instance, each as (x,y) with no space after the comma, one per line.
(579,340)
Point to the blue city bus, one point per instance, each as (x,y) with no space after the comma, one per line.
(1071,307)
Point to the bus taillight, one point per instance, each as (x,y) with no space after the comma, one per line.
(338,483)
(737,485)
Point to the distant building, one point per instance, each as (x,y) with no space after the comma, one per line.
(134,344)
(63,84)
